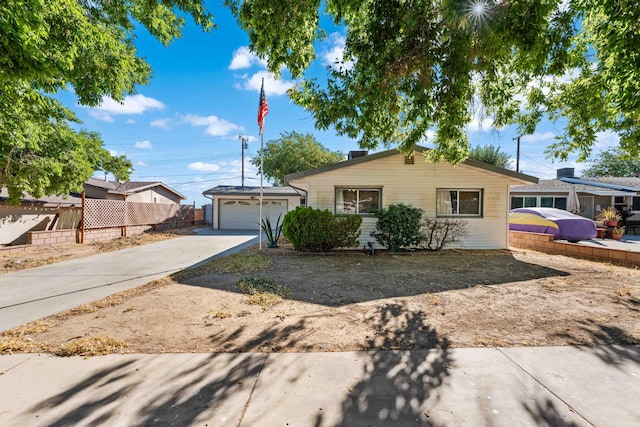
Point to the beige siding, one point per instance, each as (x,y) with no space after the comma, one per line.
(416,185)
(154,195)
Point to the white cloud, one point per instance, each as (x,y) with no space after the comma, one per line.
(606,140)
(215,125)
(477,124)
(272,86)
(334,56)
(140,163)
(204,167)
(143,144)
(134,104)
(244,58)
(538,136)
(161,123)
(130,121)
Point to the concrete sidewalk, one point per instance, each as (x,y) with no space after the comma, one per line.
(35,293)
(574,386)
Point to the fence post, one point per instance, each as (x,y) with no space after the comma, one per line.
(82,219)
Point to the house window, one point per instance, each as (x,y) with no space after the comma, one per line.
(459,202)
(357,200)
(636,204)
(553,202)
(523,202)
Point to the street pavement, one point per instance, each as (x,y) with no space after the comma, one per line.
(35,293)
(520,386)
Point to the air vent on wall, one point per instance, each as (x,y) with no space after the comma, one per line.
(409,160)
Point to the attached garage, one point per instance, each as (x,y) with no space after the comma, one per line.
(243,214)
(238,208)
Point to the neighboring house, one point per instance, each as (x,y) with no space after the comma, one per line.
(594,194)
(58,213)
(238,208)
(146,192)
(472,191)
(47,213)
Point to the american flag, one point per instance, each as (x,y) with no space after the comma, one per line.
(263,108)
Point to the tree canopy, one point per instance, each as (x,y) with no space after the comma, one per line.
(291,153)
(88,46)
(491,155)
(416,66)
(612,163)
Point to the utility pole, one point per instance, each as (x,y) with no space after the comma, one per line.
(518,153)
(243,141)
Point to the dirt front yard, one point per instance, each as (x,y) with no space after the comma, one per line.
(280,301)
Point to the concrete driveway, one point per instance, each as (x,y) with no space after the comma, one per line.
(35,293)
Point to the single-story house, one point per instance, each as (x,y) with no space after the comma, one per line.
(65,213)
(238,207)
(594,194)
(145,192)
(475,192)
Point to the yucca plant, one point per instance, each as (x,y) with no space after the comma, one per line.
(273,235)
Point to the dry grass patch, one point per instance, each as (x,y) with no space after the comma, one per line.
(234,263)
(116,299)
(21,340)
(263,291)
(92,346)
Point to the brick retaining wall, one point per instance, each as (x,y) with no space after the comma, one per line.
(545,243)
(52,238)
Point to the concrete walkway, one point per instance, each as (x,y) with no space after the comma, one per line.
(551,386)
(35,293)
(629,242)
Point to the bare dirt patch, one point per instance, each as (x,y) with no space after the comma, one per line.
(352,301)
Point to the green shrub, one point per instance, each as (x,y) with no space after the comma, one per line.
(273,235)
(399,227)
(310,229)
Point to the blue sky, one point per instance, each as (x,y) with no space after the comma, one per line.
(183,128)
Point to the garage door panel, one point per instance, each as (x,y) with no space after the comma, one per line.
(239,214)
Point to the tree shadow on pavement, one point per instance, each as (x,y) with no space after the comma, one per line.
(96,393)
(546,414)
(610,344)
(399,385)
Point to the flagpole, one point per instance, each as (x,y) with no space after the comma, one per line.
(261,174)
(263,110)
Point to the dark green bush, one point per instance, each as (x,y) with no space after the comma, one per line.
(399,227)
(310,229)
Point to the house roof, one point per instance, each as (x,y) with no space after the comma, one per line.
(395,151)
(595,186)
(47,201)
(127,188)
(231,190)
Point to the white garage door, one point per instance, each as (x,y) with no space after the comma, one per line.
(243,214)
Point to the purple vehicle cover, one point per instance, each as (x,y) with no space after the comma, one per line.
(562,224)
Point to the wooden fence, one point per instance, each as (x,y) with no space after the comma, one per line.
(105,218)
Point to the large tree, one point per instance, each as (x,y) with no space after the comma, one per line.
(491,155)
(612,163)
(420,65)
(87,45)
(291,153)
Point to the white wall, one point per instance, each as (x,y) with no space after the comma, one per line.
(16,221)
(416,185)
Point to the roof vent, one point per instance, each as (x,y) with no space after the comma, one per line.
(354,154)
(565,173)
(409,160)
